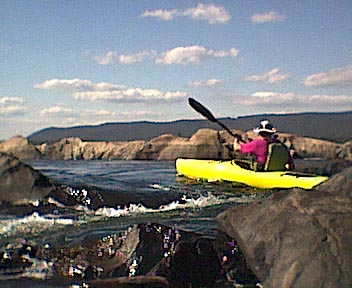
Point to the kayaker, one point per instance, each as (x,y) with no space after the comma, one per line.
(259,146)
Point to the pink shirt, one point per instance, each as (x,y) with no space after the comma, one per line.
(257,147)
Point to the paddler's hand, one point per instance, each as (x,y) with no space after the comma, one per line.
(236,145)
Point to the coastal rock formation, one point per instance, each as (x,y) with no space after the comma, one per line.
(20,183)
(297,238)
(19,147)
(76,149)
(204,144)
(345,151)
(309,147)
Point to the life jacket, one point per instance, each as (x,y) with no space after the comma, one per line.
(278,157)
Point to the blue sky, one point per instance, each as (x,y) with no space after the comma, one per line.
(66,63)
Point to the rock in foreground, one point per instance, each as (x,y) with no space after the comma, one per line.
(146,255)
(297,238)
(20,183)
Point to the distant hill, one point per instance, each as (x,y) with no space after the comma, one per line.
(329,126)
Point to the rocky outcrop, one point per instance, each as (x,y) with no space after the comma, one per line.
(19,147)
(309,147)
(76,149)
(212,144)
(20,183)
(297,238)
(204,144)
(345,151)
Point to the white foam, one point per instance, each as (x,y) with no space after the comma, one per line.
(23,225)
(186,203)
(38,223)
(160,187)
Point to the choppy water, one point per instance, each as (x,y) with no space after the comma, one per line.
(155,194)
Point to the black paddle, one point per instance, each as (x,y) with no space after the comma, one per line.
(207,114)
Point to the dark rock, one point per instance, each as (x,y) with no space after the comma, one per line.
(20,183)
(207,265)
(321,166)
(182,265)
(297,238)
(146,255)
(340,184)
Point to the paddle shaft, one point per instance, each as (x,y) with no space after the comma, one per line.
(197,106)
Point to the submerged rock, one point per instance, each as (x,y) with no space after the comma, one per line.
(297,238)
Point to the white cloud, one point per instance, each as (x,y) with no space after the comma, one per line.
(105,86)
(192,55)
(335,100)
(208,12)
(233,52)
(207,83)
(103,91)
(130,95)
(178,55)
(77,116)
(334,77)
(271,16)
(183,55)
(272,77)
(10,100)
(109,58)
(137,57)
(113,57)
(13,110)
(165,15)
(270,98)
(57,110)
(11,106)
(289,101)
(77,84)
(204,12)
(54,84)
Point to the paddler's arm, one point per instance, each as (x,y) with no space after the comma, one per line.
(237,144)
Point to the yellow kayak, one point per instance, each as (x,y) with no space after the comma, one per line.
(214,170)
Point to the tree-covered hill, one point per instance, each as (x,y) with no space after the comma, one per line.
(329,126)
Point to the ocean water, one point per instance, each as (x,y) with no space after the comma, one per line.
(152,192)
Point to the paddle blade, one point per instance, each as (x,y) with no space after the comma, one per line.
(201,109)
